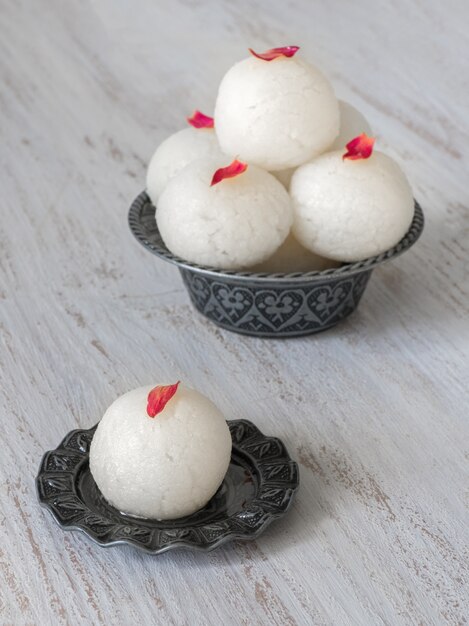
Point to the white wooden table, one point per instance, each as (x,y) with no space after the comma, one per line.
(375,411)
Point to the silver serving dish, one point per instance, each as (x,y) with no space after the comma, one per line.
(258,488)
(269,305)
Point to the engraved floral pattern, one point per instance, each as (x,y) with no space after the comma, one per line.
(279,310)
(276,307)
(232,300)
(200,291)
(325,301)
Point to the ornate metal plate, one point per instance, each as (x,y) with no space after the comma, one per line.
(258,488)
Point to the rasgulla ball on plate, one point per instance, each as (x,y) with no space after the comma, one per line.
(293,257)
(160,467)
(349,210)
(177,151)
(352,124)
(275,114)
(233,224)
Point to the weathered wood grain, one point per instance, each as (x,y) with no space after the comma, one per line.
(375,411)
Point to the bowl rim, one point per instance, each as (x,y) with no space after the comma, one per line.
(146,238)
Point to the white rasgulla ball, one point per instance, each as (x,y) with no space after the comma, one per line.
(164,467)
(293,257)
(275,114)
(350,210)
(352,124)
(236,223)
(177,151)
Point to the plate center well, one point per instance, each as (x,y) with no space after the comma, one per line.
(239,487)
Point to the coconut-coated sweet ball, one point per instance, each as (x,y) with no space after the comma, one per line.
(177,151)
(163,467)
(233,224)
(275,114)
(293,257)
(352,124)
(349,210)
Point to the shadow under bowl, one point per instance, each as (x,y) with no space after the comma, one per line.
(269,305)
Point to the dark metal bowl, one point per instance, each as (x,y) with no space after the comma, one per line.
(269,305)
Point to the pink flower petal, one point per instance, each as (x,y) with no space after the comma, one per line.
(159,397)
(274,53)
(359,148)
(199,120)
(230,171)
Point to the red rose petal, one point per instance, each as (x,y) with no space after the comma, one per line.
(159,397)
(199,120)
(230,171)
(359,148)
(274,53)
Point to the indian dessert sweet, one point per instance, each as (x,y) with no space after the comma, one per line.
(278,117)
(352,124)
(160,452)
(293,257)
(275,110)
(180,149)
(224,217)
(351,206)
